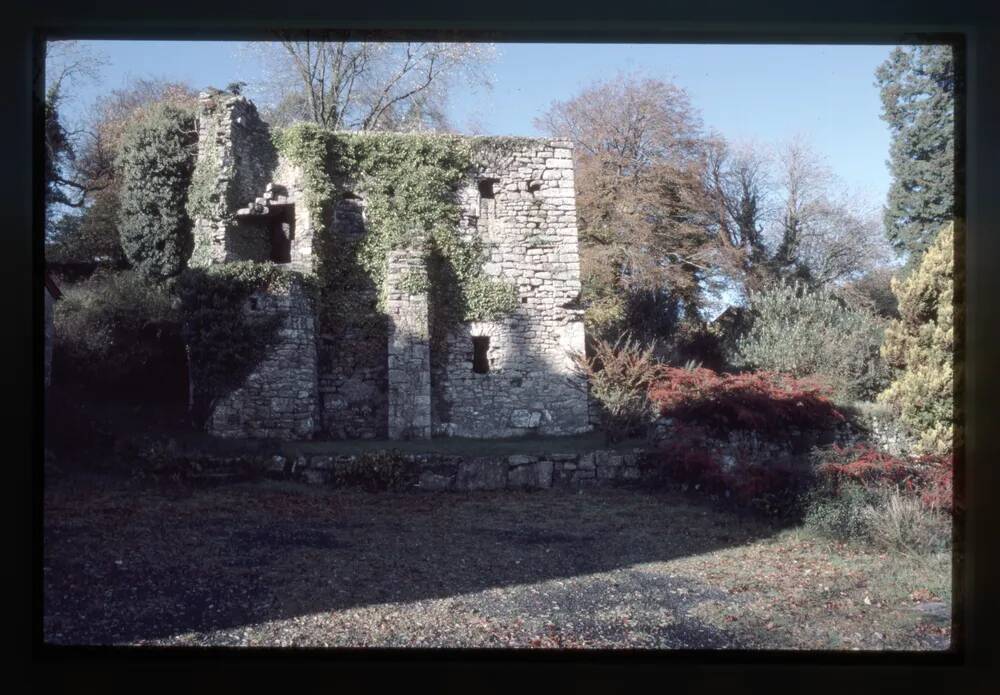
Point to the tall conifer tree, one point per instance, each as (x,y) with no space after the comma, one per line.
(917,86)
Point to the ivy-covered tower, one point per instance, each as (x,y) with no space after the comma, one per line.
(444,276)
(240,215)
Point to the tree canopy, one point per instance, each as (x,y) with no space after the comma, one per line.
(638,148)
(920,346)
(364,85)
(669,214)
(155,166)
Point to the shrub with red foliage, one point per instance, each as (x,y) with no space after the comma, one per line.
(929,477)
(939,476)
(761,401)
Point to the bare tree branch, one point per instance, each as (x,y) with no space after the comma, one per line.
(364,85)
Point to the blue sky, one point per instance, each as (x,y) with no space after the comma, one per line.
(763,92)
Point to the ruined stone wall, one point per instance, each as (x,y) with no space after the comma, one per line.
(236,160)
(441,471)
(519,201)
(353,384)
(529,227)
(288,187)
(409,362)
(353,368)
(279,399)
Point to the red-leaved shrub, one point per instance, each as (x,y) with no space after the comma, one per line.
(761,401)
(938,490)
(928,477)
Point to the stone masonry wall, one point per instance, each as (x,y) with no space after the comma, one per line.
(529,227)
(279,399)
(434,471)
(748,446)
(519,201)
(236,160)
(409,392)
(353,375)
(353,382)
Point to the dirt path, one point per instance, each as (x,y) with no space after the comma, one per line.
(285,565)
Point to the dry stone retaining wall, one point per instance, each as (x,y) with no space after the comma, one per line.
(439,471)
(432,471)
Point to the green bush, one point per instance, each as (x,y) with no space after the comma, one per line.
(813,334)
(155,166)
(920,349)
(619,375)
(106,327)
(840,516)
(881,516)
(88,235)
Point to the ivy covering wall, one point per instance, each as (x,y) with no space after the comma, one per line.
(409,184)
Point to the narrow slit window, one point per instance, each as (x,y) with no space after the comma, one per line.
(480,360)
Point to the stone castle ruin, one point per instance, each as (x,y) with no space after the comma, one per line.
(507,376)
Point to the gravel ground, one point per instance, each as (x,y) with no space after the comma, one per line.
(278,564)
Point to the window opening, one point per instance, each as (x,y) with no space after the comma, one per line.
(486,189)
(282,232)
(480,360)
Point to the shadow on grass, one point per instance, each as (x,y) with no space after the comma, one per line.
(125,563)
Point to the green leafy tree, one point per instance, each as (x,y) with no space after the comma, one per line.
(155,166)
(89,231)
(917,86)
(919,346)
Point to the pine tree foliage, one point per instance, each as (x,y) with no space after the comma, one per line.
(920,345)
(917,86)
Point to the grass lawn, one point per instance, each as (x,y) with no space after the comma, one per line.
(280,564)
